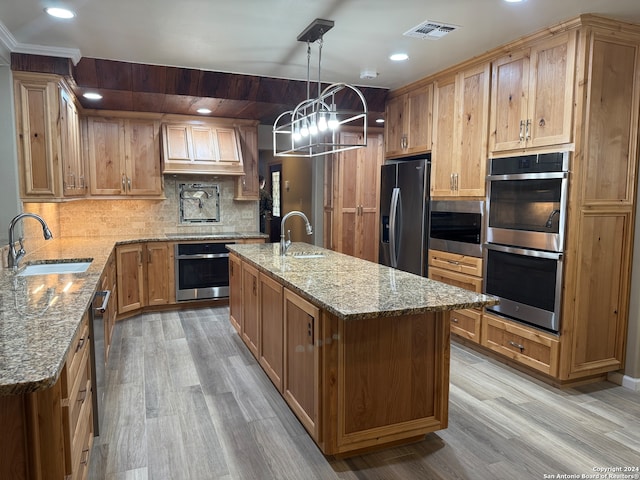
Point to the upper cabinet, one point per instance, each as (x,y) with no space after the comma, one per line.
(123,156)
(201,148)
(532,95)
(247,186)
(408,123)
(49,156)
(459,157)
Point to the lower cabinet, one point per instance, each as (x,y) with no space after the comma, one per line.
(465,272)
(533,348)
(48,434)
(235,292)
(250,308)
(271,329)
(302,360)
(144,275)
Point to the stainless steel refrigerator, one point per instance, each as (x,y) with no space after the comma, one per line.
(404,215)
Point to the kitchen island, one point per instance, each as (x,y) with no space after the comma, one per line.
(359,351)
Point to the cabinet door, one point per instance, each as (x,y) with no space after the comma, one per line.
(176,143)
(394,126)
(106,156)
(250,308)
(235,292)
(247,186)
(158,274)
(472,122)
(73,172)
(227,144)
(203,143)
(348,200)
(367,231)
(301,387)
(550,108)
(142,154)
(36,115)
(130,273)
(419,105)
(509,90)
(443,161)
(271,329)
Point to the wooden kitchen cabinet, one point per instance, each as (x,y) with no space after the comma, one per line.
(355,191)
(124,157)
(201,148)
(302,360)
(408,122)
(130,273)
(50,163)
(462,271)
(247,185)
(271,355)
(48,434)
(108,282)
(459,156)
(532,95)
(235,292)
(250,308)
(145,275)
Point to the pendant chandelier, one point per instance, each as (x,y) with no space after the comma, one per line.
(312,128)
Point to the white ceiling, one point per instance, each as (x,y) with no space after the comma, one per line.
(258,37)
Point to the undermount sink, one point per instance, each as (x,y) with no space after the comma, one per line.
(306,254)
(54,268)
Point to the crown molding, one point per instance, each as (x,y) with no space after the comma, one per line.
(9,44)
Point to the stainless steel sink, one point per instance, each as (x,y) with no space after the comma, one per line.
(54,268)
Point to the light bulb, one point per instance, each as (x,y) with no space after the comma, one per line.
(322,122)
(304,131)
(333,121)
(313,127)
(296,133)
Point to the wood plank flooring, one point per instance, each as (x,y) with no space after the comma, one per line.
(186,400)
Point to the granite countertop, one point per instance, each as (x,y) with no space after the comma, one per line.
(40,314)
(351,288)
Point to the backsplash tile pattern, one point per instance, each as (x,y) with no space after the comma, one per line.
(128,218)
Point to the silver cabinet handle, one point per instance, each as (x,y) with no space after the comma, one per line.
(522,130)
(527,130)
(129,183)
(516,345)
(124,185)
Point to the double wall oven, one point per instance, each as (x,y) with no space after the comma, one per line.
(523,254)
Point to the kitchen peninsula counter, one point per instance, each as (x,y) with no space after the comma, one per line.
(359,351)
(40,315)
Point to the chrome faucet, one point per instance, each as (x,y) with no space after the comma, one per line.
(15,257)
(284,244)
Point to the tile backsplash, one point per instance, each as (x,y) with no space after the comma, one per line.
(132,217)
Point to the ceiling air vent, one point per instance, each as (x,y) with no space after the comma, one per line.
(430,30)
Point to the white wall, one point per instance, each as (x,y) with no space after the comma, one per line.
(9,196)
(632,364)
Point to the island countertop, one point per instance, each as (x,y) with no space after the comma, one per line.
(351,288)
(40,314)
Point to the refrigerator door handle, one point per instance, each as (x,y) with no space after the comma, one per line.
(393,210)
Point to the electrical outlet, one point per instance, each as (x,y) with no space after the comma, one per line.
(247,214)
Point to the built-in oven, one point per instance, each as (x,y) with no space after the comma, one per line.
(527,282)
(456,226)
(201,271)
(527,200)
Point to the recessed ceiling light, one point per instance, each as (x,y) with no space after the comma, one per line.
(379,120)
(514,1)
(399,57)
(59,12)
(204,111)
(92,96)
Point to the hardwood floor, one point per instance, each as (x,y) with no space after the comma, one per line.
(186,400)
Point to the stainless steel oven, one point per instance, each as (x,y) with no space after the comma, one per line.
(527,201)
(528,283)
(456,226)
(201,271)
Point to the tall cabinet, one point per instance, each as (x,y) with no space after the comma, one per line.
(352,197)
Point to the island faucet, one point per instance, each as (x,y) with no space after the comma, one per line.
(284,244)
(15,257)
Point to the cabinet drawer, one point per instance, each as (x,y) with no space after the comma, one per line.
(466,323)
(79,348)
(456,279)
(82,443)
(456,262)
(527,346)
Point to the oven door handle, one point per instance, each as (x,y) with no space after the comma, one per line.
(530,176)
(202,255)
(524,251)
